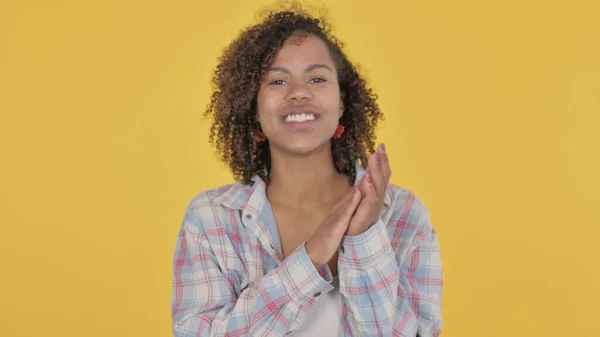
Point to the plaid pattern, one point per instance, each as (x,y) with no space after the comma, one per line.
(229,280)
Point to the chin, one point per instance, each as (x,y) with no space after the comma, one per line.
(303,146)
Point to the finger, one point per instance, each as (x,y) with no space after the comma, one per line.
(371,197)
(359,185)
(363,188)
(355,201)
(369,194)
(385,165)
(343,202)
(375,172)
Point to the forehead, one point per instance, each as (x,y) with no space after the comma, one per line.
(303,49)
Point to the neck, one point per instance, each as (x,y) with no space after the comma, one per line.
(303,182)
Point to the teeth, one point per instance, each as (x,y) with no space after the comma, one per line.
(299,118)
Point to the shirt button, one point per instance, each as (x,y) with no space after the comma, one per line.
(317,294)
(248,216)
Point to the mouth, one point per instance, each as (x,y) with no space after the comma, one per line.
(299,117)
(300,120)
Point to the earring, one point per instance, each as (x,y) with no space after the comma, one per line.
(259,136)
(338,132)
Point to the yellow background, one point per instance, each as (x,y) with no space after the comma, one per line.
(493,119)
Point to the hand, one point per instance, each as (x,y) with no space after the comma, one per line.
(373,187)
(325,241)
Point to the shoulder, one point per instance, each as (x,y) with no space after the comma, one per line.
(409,219)
(207,207)
(408,204)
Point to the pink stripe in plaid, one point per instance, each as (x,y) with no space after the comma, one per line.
(229,281)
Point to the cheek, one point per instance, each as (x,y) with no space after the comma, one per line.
(267,102)
(330,101)
(268,106)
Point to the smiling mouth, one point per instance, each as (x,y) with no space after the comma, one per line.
(299,118)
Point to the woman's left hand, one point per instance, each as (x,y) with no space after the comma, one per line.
(373,187)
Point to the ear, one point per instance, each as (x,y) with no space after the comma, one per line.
(341,105)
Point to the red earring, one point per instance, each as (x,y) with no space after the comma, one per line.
(338,132)
(259,136)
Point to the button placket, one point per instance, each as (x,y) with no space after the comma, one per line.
(265,238)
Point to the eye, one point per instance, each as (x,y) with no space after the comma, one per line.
(318,80)
(277,82)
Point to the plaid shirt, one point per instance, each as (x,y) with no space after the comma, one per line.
(230,280)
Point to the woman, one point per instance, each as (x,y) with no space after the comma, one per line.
(307,242)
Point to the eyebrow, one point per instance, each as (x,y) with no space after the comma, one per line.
(308,69)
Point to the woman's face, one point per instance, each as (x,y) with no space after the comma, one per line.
(299,101)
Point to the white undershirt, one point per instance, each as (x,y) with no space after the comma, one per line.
(324,317)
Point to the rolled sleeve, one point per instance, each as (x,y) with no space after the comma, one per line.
(366,249)
(301,279)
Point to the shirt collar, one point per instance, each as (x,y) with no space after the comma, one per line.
(252,198)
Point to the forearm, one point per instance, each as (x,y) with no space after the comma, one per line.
(385,295)
(205,304)
(369,279)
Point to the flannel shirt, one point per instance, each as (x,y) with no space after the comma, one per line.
(230,280)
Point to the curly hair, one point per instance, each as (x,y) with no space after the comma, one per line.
(236,82)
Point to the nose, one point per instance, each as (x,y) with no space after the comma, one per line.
(299,91)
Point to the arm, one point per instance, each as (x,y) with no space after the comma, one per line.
(204,298)
(386,296)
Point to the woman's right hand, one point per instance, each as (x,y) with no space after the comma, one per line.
(325,241)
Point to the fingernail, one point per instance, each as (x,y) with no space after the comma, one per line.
(383,147)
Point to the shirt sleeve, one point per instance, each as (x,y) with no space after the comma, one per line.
(204,301)
(393,291)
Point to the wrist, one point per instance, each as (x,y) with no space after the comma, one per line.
(355,232)
(313,258)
